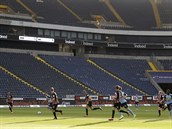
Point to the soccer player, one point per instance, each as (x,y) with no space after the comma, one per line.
(136,99)
(160,101)
(116,104)
(168,101)
(55,103)
(123,101)
(10,101)
(88,101)
(50,102)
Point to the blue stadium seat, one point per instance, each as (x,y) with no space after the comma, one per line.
(167,64)
(40,75)
(88,74)
(17,88)
(130,70)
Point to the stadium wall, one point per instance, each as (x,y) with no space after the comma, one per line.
(80,100)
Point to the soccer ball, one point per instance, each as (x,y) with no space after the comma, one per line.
(39,112)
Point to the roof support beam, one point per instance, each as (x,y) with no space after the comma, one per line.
(114,12)
(156,13)
(69,10)
(28,9)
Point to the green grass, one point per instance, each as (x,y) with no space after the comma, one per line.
(27,118)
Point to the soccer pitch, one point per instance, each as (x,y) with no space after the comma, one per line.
(73,118)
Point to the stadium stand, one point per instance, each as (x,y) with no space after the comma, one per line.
(76,11)
(94,7)
(96,13)
(134,9)
(15,6)
(14,11)
(167,64)
(165,10)
(17,88)
(131,70)
(28,68)
(52,12)
(80,69)
(72,74)
(162,77)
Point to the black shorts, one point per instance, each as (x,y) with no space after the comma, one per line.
(161,105)
(54,107)
(10,104)
(124,105)
(89,104)
(136,103)
(117,105)
(169,106)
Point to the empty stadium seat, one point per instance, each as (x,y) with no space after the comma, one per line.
(43,77)
(131,70)
(167,64)
(17,88)
(88,74)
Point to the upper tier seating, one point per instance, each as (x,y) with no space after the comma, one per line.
(137,13)
(85,9)
(52,12)
(15,6)
(165,11)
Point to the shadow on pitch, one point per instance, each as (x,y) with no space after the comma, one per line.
(153,120)
(101,122)
(33,121)
(28,121)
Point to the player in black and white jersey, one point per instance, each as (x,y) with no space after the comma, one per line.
(55,103)
(88,102)
(160,101)
(117,104)
(9,100)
